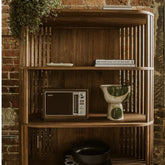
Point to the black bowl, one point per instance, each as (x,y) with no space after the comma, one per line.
(91,152)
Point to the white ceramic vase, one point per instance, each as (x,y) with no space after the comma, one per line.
(114,95)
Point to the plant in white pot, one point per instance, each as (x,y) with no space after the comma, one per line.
(114,95)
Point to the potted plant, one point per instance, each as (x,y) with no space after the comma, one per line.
(28,14)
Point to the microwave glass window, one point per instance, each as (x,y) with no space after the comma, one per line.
(59,103)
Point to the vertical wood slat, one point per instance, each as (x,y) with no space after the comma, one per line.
(48,45)
(27,48)
(152,72)
(36,49)
(147,77)
(26,96)
(32,102)
(36,94)
(147,145)
(40,47)
(139,72)
(142,88)
(32,50)
(22,51)
(142,64)
(43,47)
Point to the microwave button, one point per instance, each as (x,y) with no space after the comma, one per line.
(82,112)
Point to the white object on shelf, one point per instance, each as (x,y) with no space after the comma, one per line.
(59,64)
(114,62)
(117,8)
(119,65)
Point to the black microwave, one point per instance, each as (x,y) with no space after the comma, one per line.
(65,103)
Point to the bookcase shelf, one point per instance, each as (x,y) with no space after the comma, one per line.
(88,68)
(80,37)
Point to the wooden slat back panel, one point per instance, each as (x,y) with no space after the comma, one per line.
(46,143)
(132,141)
(82,46)
(90,80)
(37,48)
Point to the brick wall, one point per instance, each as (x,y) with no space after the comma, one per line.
(10,93)
(10,77)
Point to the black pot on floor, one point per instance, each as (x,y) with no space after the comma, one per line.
(91,152)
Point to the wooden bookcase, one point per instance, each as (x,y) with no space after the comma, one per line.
(81,37)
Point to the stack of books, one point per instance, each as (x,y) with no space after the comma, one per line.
(114,63)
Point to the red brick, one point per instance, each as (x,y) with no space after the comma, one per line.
(5,16)
(10,68)
(15,46)
(4,90)
(13,149)
(10,53)
(114,2)
(10,82)
(5,9)
(4,148)
(86,7)
(10,100)
(10,132)
(141,2)
(16,61)
(13,127)
(14,75)
(7,60)
(4,75)
(72,2)
(12,162)
(10,141)
(142,8)
(13,89)
(6,31)
(94,2)
(6,2)
(5,24)
(10,156)
(9,39)
(6,46)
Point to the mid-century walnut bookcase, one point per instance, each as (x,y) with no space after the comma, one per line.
(80,37)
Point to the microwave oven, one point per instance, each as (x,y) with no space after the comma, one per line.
(65,103)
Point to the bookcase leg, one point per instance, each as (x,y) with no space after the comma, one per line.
(149,145)
(24,145)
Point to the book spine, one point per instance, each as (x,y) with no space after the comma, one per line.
(123,62)
(100,65)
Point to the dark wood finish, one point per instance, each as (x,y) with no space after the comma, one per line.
(80,37)
(123,161)
(25,96)
(127,117)
(88,124)
(88,68)
(98,18)
(24,145)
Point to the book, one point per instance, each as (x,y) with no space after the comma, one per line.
(59,64)
(111,65)
(114,62)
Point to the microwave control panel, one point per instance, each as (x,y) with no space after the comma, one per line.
(79,103)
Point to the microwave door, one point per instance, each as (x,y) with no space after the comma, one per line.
(59,103)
